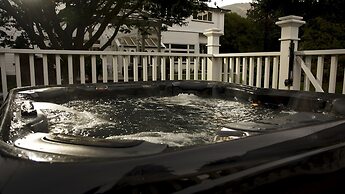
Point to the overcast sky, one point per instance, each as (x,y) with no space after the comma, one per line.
(221,3)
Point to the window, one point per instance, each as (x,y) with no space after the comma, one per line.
(209,16)
(178,46)
(204,16)
(181,48)
(203,48)
(176,51)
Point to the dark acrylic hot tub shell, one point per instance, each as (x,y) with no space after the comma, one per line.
(308,144)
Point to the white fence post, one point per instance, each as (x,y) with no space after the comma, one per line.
(289,32)
(214,66)
(3,75)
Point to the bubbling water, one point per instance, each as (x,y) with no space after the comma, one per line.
(177,121)
(180,120)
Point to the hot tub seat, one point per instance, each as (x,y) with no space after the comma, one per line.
(87,147)
(299,119)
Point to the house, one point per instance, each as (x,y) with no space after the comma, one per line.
(176,39)
(190,38)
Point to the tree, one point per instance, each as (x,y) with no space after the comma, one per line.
(64,24)
(325,21)
(320,33)
(265,13)
(240,35)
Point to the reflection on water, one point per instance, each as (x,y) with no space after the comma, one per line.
(178,121)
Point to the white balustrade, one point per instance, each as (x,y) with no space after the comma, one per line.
(251,71)
(267,72)
(32,70)
(58,69)
(93,69)
(203,69)
(319,69)
(235,68)
(3,75)
(70,69)
(319,65)
(135,70)
(80,67)
(163,68)
(45,70)
(18,71)
(275,73)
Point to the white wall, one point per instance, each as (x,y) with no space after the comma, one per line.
(192,34)
(178,37)
(199,26)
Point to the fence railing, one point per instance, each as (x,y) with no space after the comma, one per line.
(320,71)
(50,67)
(254,69)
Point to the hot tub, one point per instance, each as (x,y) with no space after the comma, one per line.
(172,136)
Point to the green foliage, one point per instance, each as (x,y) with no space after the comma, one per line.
(240,35)
(64,24)
(322,34)
(325,21)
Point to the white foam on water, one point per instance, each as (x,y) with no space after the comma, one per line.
(67,120)
(171,139)
(181,99)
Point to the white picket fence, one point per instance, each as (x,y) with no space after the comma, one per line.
(253,69)
(318,71)
(114,66)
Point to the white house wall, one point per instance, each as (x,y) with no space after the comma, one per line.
(191,34)
(199,26)
(178,37)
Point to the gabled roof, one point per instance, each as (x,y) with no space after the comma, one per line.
(132,41)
